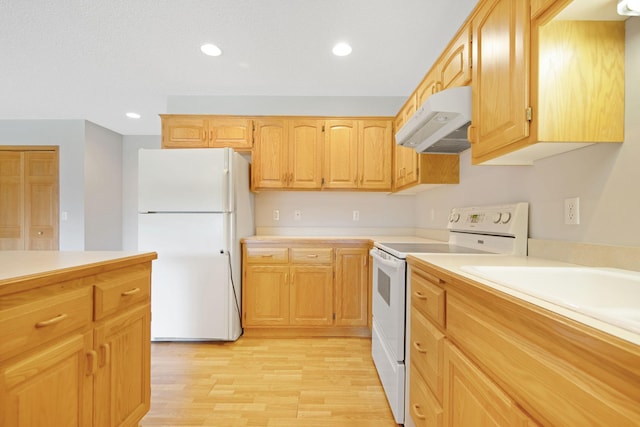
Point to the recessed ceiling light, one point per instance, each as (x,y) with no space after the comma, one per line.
(211,49)
(341,49)
(133,115)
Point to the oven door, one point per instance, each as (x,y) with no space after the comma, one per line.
(389,288)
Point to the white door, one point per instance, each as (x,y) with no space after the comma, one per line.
(183,180)
(190,287)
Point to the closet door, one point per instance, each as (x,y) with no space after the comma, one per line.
(29,200)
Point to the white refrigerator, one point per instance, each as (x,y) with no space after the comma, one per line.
(194,206)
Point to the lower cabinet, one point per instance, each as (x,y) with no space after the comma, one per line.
(121,386)
(481,358)
(55,379)
(77,352)
(298,289)
(472,399)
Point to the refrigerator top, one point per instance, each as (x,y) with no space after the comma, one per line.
(185,180)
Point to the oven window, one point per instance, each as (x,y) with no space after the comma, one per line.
(384,286)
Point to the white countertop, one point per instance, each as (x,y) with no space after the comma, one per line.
(16,264)
(453,264)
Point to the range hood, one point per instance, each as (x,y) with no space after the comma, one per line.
(440,124)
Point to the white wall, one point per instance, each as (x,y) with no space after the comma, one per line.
(102,188)
(325,209)
(130,147)
(69,136)
(604,176)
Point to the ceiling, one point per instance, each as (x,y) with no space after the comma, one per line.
(98,59)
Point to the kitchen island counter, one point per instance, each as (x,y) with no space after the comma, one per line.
(24,270)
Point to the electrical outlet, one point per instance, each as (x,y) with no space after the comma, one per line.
(572,211)
(297,215)
(276,215)
(356,215)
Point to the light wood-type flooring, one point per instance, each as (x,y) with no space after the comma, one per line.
(310,382)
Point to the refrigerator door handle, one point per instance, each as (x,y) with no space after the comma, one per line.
(226,184)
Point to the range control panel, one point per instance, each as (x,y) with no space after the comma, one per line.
(505,220)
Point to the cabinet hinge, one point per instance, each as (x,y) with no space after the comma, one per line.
(529,113)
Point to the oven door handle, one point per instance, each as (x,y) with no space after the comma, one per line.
(385,262)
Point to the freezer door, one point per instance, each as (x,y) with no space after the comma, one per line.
(184,180)
(192,296)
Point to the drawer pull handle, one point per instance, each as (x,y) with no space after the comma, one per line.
(420,295)
(59,318)
(267,256)
(312,256)
(417,346)
(416,408)
(93,362)
(105,349)
(130,292)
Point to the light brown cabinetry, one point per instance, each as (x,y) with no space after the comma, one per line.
(197,131)
(287,154)
(69,359)
(500,70)
(477,400)
(420,171)
(526,110)
(29,194)
(506,362)
(305,289)
(358,154)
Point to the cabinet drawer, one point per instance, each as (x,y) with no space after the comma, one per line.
(427,346)
(312,255)
(427,297)
(35,317)
(267,255)
(119,289)
(423,407)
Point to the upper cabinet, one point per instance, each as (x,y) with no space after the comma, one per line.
(357,154)
(287,154)
(500,68)
(179,131)
(569,95)
(415,172)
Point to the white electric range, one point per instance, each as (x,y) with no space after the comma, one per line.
(488,230)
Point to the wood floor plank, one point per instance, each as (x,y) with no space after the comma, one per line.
(269,382)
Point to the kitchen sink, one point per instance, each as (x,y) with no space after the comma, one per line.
(610,295)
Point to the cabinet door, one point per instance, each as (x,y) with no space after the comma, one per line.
(340,154)
(122,382)
(311,295)
(472,399)
(265,294)
(270,164)
(231,132)
(12,196)
(305,154)
(49,387)
(454,66)
(406,166)
(352,286)
(500,75)
(185,132)
(428,86)
(375,145)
